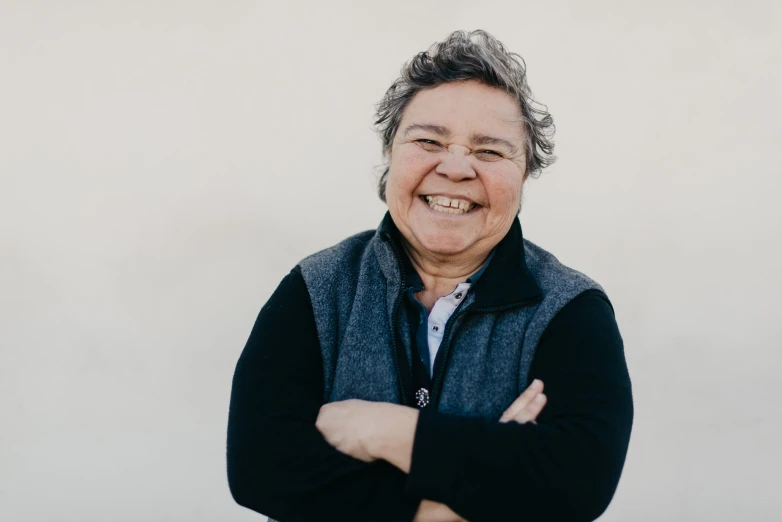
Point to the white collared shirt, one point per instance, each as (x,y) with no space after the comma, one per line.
(442,310)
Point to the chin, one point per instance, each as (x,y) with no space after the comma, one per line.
(444,243)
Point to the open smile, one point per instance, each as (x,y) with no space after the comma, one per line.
(446,205)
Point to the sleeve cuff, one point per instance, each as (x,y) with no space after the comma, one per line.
(438,454)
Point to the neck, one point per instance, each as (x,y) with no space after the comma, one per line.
(441,274)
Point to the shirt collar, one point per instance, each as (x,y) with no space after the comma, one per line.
(504,279)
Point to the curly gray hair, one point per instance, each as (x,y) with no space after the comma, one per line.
(463,55)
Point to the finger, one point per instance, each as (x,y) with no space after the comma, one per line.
(519,404)
(533,409)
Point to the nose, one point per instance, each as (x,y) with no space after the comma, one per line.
(455,164)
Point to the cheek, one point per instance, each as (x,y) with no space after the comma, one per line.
(408,167)
(397,187)
(504,191)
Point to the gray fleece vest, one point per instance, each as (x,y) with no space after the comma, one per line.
(354,287)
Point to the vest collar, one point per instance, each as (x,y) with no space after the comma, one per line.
(506,282)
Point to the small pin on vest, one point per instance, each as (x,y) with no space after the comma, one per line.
(422,397)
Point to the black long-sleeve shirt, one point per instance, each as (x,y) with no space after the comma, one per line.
(564,468)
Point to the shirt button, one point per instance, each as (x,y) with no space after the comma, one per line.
(458,296)
(435,328)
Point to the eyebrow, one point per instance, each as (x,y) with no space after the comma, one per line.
(428,127)
(481,139)
(478,139)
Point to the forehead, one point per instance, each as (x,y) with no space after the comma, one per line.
(465,107)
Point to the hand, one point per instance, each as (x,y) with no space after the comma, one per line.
(349,425)
(431,511)
(528,406)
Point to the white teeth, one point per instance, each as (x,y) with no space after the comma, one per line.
(449,206)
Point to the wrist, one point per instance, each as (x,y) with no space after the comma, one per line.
(430,511)
(392,432)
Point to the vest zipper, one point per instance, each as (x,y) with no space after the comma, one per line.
(439,370)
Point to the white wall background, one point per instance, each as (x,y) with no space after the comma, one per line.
(164,164)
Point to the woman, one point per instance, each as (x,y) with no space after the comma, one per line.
(399,374)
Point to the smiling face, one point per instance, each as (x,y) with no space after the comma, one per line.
(456,170)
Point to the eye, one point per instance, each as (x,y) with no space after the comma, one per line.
(429,145)
(488,155)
